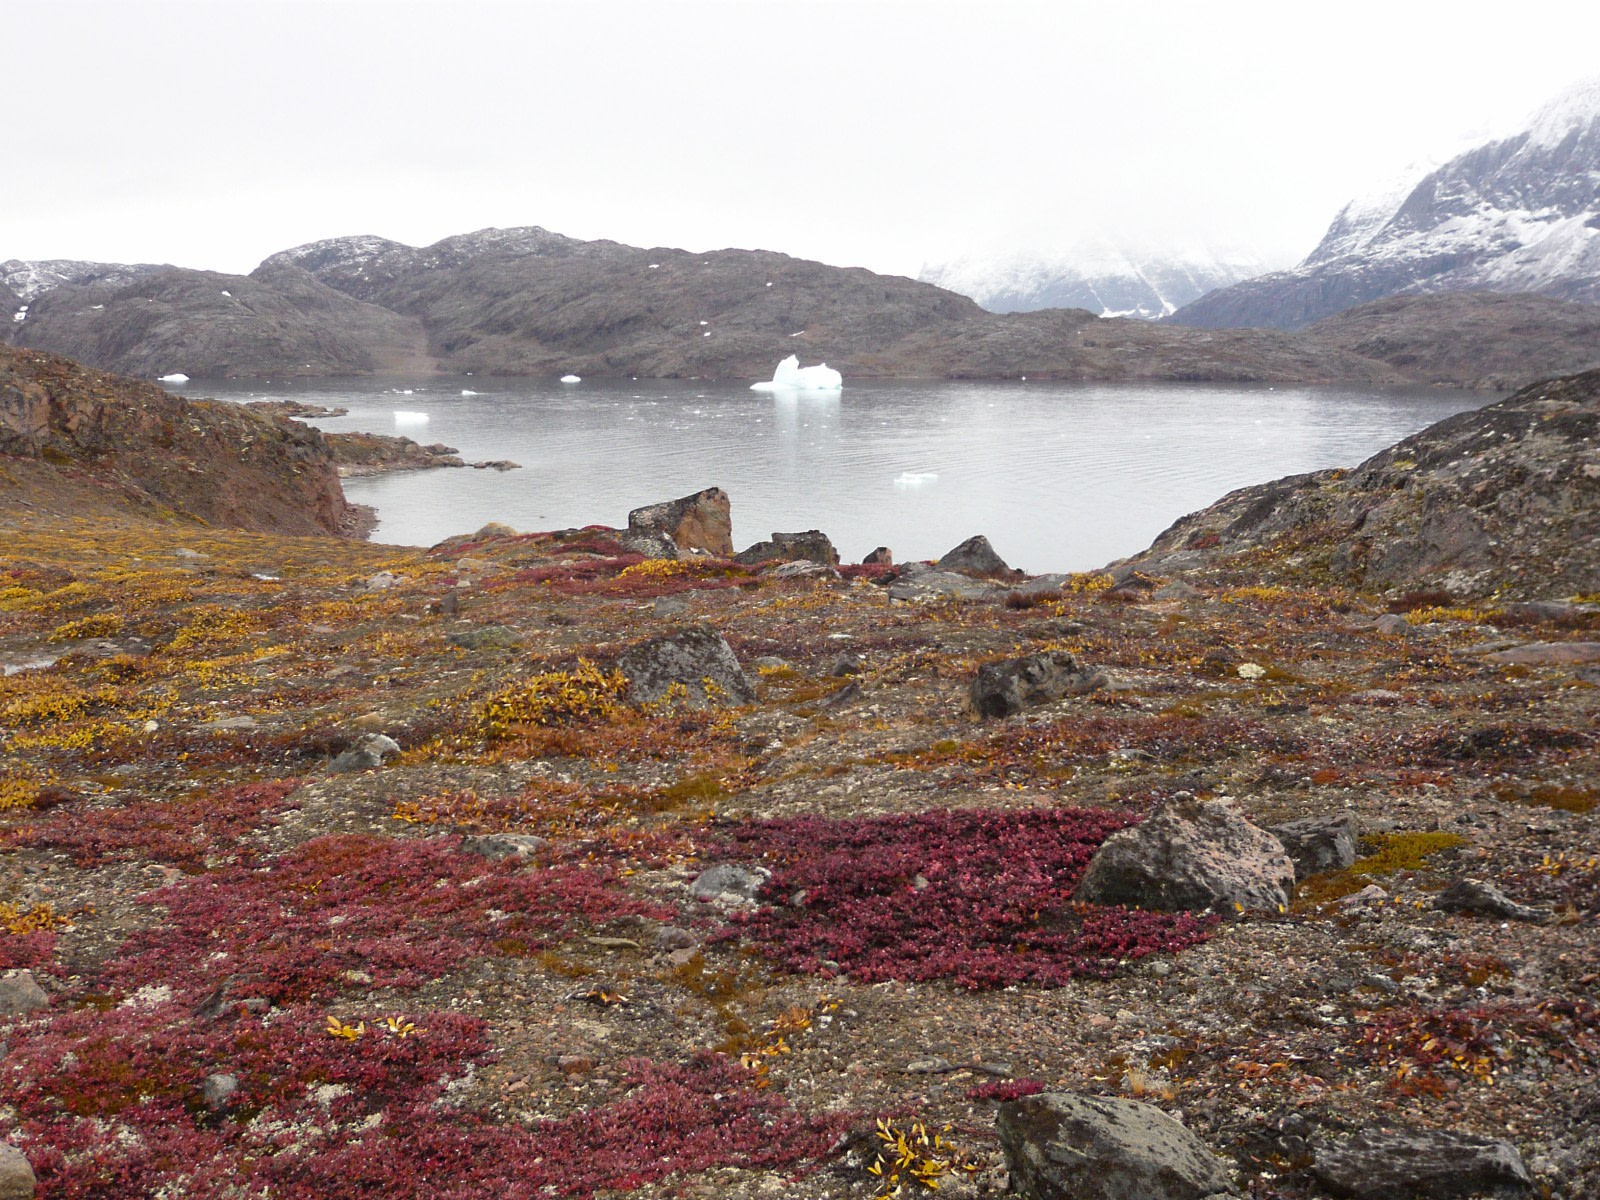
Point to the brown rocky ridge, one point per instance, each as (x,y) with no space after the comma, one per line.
(330,869)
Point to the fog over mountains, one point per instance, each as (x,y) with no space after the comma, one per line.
(1517,214)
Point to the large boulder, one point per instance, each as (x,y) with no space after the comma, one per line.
(16,1174)
(20,994)
(974,554)
(699,661)
(1060,1146)
(701,522)
(1191,855)
(811,546)
(1378,1164)
(1003,688)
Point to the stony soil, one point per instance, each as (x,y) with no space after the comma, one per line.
(186,928)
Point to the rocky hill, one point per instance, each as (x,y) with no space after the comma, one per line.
(1107,279)
(1500,502)
(31,278)
(276,321)
(77,440)
(1469,339)
(1521,214)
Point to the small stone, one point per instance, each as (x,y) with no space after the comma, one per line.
(370,752)
(929,1066)
(1485,900)
(21,994)
(382,581)
(1394,625)
(17,1181)
(217,1089)
(881,557)
(614,943)
(1176,590)
(498,846)
(728,880)
(673,937)
(1319,844)
(189,555)
(1371,894)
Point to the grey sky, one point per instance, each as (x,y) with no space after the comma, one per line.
(861,132)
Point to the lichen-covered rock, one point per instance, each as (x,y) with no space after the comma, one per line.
(1379,1164)
(1191,855)
(729,880)
(974,554)
(696,667)
(1485,900)
(497,846)
(1061,1146)
(1319,844)
(1003,688)
(370,752)
(701,522)
(928,586)
(812,546)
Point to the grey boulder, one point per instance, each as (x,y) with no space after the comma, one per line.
(1061,1146)
(1485,900)
(699,661)
(498,846)
(812,546)
(20,994)
(974,554)
(17,1181)
(1003,688)
(728,880)
(1378,1164)
(1191,855)
(1319,844)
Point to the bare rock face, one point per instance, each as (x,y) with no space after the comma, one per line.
(1003,688)
(1503,501)
(1060,1146)
(1319,844)
(219,462)
(1191,855)
(702,522)
(696,667)
(811,546)
(1378,1164)
(974,554)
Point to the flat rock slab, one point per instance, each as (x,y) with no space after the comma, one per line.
(1548,654)
(696,667)
(1381,1164)
(926,586)
(1191,855)
(1061,1146)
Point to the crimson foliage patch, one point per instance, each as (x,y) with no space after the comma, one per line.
(981,898)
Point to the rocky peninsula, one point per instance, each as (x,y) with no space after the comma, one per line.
(598,862)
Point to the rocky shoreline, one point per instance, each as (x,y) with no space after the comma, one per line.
(614,862)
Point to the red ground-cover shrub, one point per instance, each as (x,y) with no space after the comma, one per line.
(33,949)
(978,897)
(399,911)
(184,833)
(1002,1090)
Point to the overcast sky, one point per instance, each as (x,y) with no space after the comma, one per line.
(860,132)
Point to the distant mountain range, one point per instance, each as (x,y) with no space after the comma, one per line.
(1096,274)
(1519,214)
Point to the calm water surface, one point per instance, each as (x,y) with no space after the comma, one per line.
(1059,476)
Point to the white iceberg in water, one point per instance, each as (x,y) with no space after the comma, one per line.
(791,376)
(572,379)
(402,417)
(175,377)
(915,479)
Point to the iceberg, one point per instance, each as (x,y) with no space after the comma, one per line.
(572,379)
(914,479)
(402,417)
(791,376)
(175,377)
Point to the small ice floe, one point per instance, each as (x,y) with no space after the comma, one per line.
(470,392)
(227,293)
(911,480)
(653,267)
(792,377)
(175,377)
(707,333)
(705,322)
(572,379)
(97,307)
(402,417)
(769,283)
(799,333)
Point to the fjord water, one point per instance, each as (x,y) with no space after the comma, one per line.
(1058,476)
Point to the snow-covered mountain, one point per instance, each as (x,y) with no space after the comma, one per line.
(1099,275)
(1518,214)
(29,278)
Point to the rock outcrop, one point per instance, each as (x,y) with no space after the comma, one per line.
(217,462)
(1503,501)
(1003,688)
(696,668)
(811,546)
